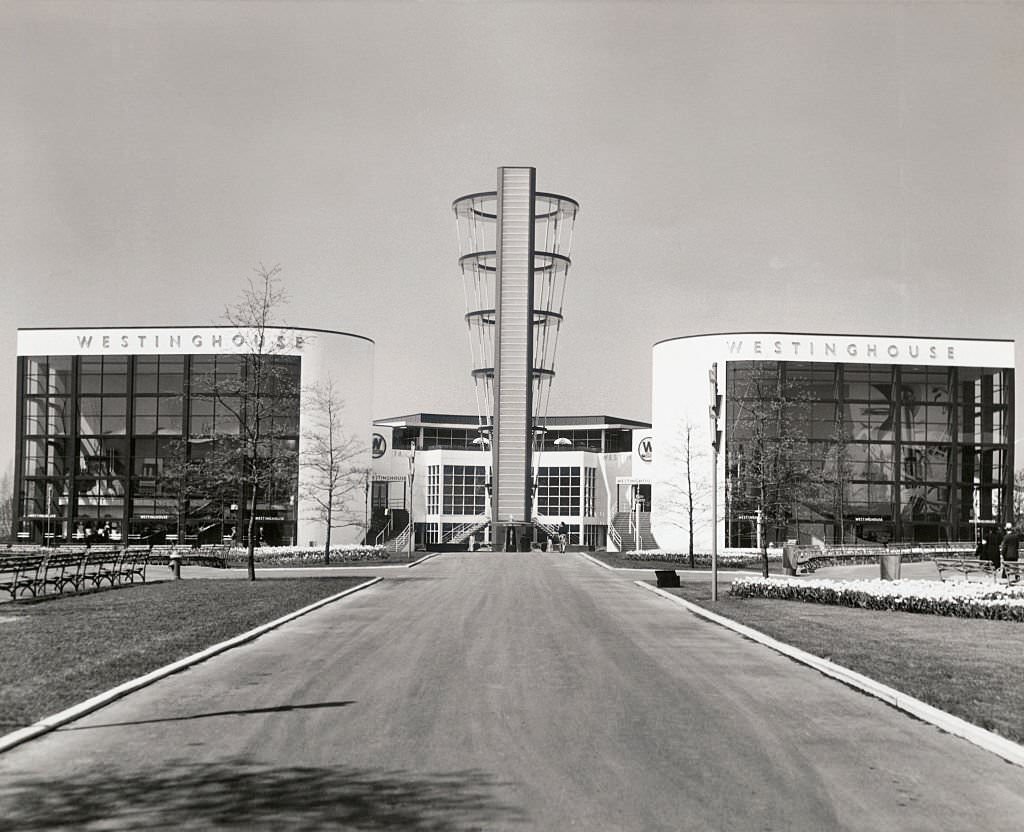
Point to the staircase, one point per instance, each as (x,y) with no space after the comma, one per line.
(384,528)
(549,527)
(462,532)
(400,542)
(631,541)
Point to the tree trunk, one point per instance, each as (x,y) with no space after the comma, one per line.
(250,555)
(327,542)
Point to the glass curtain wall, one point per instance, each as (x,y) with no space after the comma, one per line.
(103,440)
(885,452)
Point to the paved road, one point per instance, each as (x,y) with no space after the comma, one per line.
(496,692)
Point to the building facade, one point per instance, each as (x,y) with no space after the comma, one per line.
(589,473)
(834,438)
(113,424)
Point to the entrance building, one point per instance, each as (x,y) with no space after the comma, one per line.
(436,467)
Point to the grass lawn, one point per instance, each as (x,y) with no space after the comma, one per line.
(57,652)
(967,667)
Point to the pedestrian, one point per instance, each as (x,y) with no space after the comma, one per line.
(1010,546)
(563,536)
(990,547)
(997,543)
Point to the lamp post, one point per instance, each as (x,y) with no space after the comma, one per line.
(366,508)
(412,477)
(483,442)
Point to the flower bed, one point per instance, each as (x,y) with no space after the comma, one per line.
(308,555)
(957,598)
(733,557)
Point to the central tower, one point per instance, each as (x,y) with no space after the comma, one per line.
(514,246)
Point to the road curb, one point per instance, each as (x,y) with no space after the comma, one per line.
(358,567)
(50,723)
(689,571)
(1002,747)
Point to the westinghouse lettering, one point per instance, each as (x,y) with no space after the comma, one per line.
(187,341)
(868,351)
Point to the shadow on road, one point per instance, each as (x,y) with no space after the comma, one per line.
(242,794)
(275,709)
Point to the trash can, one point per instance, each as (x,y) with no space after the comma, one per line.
(889,565)
(789,557)
(667,577)
(174,562)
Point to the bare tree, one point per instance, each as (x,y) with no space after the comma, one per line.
(837,474)
(1018,498)
(6,504)
(251,453)
(685,498)
(330,477)
(770,472)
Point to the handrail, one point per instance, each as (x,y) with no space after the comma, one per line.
(379,539)
(464,530)
(399,542)
(615,537)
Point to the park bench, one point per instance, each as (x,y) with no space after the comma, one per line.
(20,573)
(101,565)
(133,563)
(60,570)
(1013,570)
(950,568)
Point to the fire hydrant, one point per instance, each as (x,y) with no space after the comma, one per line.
(174,561)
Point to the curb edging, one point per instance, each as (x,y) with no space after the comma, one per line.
(689,571)
(1007,749)
(54,721)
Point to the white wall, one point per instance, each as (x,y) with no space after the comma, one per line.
(348,361)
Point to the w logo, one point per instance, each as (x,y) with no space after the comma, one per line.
(380,445)
(645,450)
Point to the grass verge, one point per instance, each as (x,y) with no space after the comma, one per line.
(967,667)
(57,652)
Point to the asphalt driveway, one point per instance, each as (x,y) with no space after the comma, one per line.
(504,691)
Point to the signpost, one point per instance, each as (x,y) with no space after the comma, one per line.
(716,440)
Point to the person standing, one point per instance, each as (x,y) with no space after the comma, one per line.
(563,536)
(990,547)
(1009,548)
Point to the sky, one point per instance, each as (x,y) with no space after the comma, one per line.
(801,166)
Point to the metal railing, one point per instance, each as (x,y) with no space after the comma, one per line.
(464,530)
(400,542)
(614,537)
(381,537)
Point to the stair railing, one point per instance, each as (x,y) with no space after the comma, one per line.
(615,537)
(464,530)
(400,542)
(381,537)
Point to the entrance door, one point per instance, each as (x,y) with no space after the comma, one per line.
(631,493)
(378,495)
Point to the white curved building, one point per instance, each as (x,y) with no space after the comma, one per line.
(100,411)
(891,438)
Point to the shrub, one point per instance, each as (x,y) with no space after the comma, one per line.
(309,555)
(732,557)
(962,599)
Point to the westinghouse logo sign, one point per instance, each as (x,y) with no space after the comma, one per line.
(157,341)
(645,449)
(865,349)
